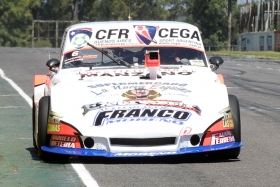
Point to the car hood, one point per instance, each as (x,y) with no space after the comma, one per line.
(102,101)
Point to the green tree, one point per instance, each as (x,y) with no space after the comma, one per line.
(104,10)
(216,19)
(150,10)
(176,10)
(54,10)
(15,21)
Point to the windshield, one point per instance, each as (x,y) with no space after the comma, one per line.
(134,56)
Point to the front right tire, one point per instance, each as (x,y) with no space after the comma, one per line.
(235,111)
(33,123)
(43,137)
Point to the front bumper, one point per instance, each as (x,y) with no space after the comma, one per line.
(103,153)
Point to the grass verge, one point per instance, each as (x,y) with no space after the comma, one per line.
(249,54)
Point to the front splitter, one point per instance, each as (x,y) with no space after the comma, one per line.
(104,153)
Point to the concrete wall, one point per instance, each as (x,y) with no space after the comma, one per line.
(256,41)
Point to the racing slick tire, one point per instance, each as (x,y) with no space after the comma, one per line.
(43,137)
(33,124)
(231,153)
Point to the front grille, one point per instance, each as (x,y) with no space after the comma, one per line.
(145,142)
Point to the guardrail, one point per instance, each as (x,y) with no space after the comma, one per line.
(220,47)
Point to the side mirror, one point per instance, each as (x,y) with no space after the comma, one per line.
(52,63)
(215,62)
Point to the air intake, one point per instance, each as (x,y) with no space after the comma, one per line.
(144,142)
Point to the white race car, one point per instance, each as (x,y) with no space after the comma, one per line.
(134,89)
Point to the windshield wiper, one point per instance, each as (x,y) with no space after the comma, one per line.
(114,58)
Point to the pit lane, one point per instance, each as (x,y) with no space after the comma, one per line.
(254,81)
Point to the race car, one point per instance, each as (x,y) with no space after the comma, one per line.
(134,89)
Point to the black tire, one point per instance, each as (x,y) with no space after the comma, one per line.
(43,137)
(235,110)
(33,124)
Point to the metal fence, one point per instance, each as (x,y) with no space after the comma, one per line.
(48,33)
(263,15)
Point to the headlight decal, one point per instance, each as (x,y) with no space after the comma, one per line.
(66,135)
(217,133)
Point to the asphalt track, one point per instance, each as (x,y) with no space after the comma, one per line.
(256,82)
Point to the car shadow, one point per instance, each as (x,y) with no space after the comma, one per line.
(178,159)
(33,153)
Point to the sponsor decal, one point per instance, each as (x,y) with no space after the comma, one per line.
(163,86)
(53,122)
(197,63)
(112,34)
(146,154)
(53,119)
(63,141)
(53,128)
(137,114)
(222,137)
(178,33)
(100,92)
(85,57)
(64,138)
(62,144)
(227,120)
(141,93)
(145,34)
(148,35)
(139,84)
(75,56)
(185,131)
(80,37)
(130,104)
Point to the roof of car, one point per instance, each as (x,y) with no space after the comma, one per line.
(129,23)
(133,34)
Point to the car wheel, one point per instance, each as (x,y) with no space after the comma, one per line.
(235,110)
(43,137)
(33,124)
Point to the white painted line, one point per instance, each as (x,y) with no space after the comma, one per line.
(14,95)
(24,138)
(84,175)
(12,106)
(80,169)
(17,88)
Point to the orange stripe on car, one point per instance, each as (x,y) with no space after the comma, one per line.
(221,78)
(39,79)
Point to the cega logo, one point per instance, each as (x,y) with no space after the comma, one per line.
(145,34)
(80,37)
